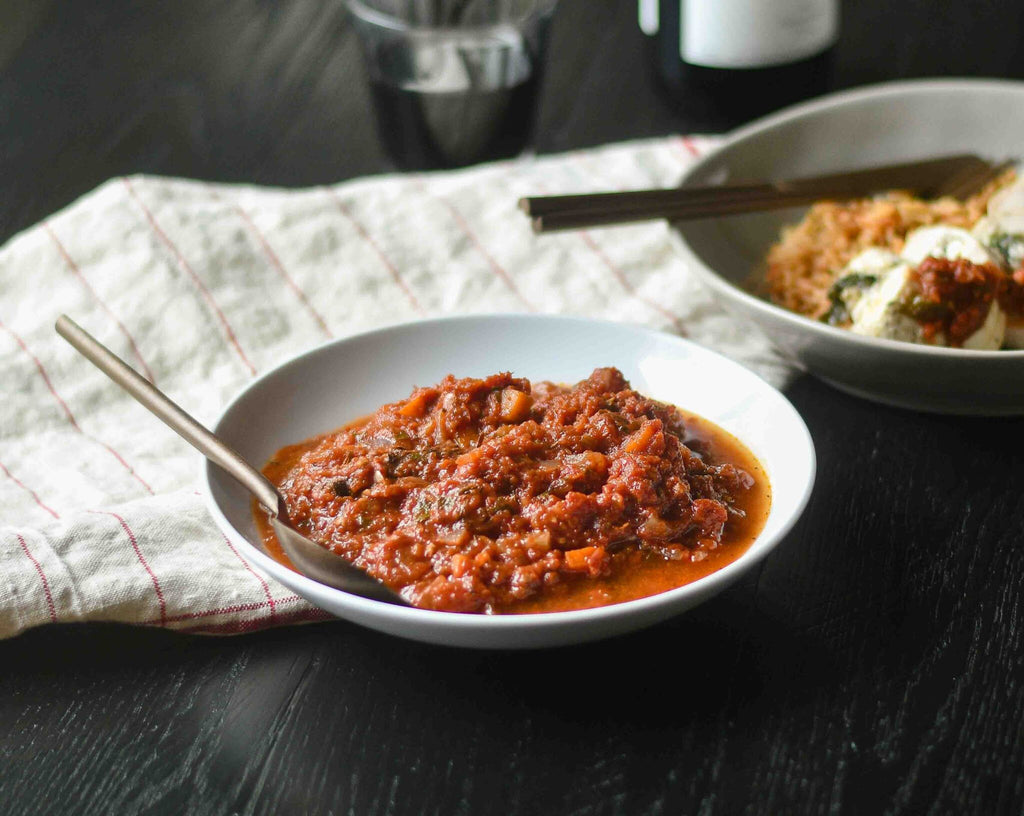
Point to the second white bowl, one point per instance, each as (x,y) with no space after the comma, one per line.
(879,125)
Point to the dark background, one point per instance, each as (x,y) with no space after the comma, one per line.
(273,92)
(872,665)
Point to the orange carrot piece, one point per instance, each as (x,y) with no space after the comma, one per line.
(577,559)
(639,440)
(515,405)
(416,406)
(460,563)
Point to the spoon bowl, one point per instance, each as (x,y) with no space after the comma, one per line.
(324,566)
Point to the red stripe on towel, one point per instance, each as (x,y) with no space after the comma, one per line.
(620,276)
(496,267)
(275,261)
(689,146)
(223,610)
(256,575)
(207,613)
(142,560)
(67,411)
(232,339)
(42,577)
(77,272)
(365,235)
(28,490)
(596,249)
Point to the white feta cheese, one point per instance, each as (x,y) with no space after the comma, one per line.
(878,310)
(1003,235)
(1008,201)
(1002,228)
(872,261)
(856,277)
(990,335)
(1002,231)
(944,242)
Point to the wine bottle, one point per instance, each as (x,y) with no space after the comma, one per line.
(727,61)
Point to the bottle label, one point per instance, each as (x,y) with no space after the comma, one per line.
(755,33)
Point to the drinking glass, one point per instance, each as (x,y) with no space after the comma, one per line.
(453,83)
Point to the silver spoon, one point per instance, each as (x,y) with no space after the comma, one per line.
(309,558)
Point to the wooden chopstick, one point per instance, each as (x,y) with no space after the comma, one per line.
(550,213)
(553,221)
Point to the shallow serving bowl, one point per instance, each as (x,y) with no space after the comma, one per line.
(878,125)
(341,381)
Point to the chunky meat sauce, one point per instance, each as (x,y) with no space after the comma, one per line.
(956,295)
(495,495)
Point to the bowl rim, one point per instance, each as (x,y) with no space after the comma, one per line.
(540,620)
(807,109)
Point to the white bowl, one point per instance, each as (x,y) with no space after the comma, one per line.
(340,381)
(886,123)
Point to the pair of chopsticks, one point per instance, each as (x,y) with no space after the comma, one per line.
(957,175)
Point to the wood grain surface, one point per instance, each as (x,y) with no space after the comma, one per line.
(872,665)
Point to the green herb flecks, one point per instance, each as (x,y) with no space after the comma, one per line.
(421,512)
(838,313)
(924,311)
(1010,247)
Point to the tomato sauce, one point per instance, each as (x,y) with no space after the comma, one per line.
(496,495)
(956,296)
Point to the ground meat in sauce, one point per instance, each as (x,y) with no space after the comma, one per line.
(473,494)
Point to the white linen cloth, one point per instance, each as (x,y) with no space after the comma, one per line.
(203,286)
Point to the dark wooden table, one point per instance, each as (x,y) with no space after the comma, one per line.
(873,665)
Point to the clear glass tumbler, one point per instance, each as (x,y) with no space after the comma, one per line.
(453,82)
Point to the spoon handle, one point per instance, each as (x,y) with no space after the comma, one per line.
(180,422)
